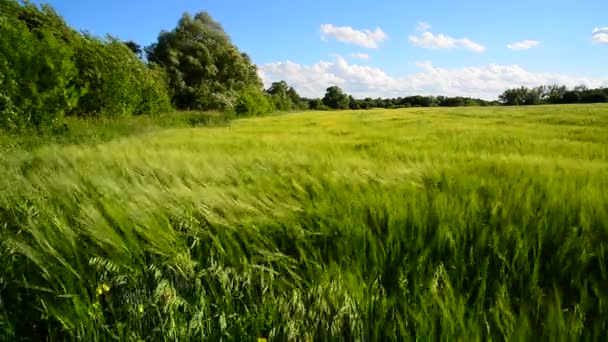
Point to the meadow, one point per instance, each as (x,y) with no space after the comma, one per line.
(443,224)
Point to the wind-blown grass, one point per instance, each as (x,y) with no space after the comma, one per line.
(451,224)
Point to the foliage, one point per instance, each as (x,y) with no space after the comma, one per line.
(438,224)
(154,90)
(335,98)
(47,70)
(553,94)
(284,97)
(253,102)
(117,83)
(205,70)
(407,102)
(35,67)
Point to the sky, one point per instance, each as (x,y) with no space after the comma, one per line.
(382,48)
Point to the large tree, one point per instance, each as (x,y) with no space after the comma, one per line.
(206,70)
(335,98)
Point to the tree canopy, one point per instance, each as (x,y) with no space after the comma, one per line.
(284,97)
(205,69)
(335,98)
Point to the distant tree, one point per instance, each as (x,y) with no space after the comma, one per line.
(352,103)
(513,97)
(335,98)
(451,101)
(571,96)
(315,104)
(205,69)
(283,96)
(532,96)
(593,96)
(556,93)
(293,95)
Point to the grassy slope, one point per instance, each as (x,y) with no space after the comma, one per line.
(468,222)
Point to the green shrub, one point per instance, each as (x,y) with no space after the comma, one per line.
(36,72)
(118,83)
(47,70)
(253,102)
(154,93)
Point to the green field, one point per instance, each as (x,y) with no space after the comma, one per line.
(460,224)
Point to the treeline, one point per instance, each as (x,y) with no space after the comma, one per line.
(48,70)
(336,98)
(553,94)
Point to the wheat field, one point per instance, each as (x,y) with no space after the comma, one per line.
(460,224)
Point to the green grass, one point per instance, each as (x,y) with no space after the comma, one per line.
(436,224)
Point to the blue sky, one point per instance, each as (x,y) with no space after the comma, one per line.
(430,47)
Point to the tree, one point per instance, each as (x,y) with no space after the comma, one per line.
(352,103)
(571,96)
(315,104)
(284,97)
(335,98)
(205,70)
(555,93)
(514,97)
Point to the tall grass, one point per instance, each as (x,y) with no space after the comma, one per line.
(432,224)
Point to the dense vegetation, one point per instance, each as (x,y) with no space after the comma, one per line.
(48,70)
(450,224)
(553,95)
(335,98)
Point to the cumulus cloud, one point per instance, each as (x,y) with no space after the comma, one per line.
(429,40)
(360,55)
(485,82)
(366,38)
(523,45)
(600,35)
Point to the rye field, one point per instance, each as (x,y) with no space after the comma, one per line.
(460,224)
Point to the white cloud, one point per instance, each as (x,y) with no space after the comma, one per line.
(360,55)
(471,45)
(366,38)
(429,40)
(485,82)
(600,35)
(523,45)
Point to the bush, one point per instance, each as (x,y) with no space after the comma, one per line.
(47,69)
(36,72)
(118,83)
(154,93)
(253,102)
(205,98)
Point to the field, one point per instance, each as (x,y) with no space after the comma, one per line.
(486,223)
